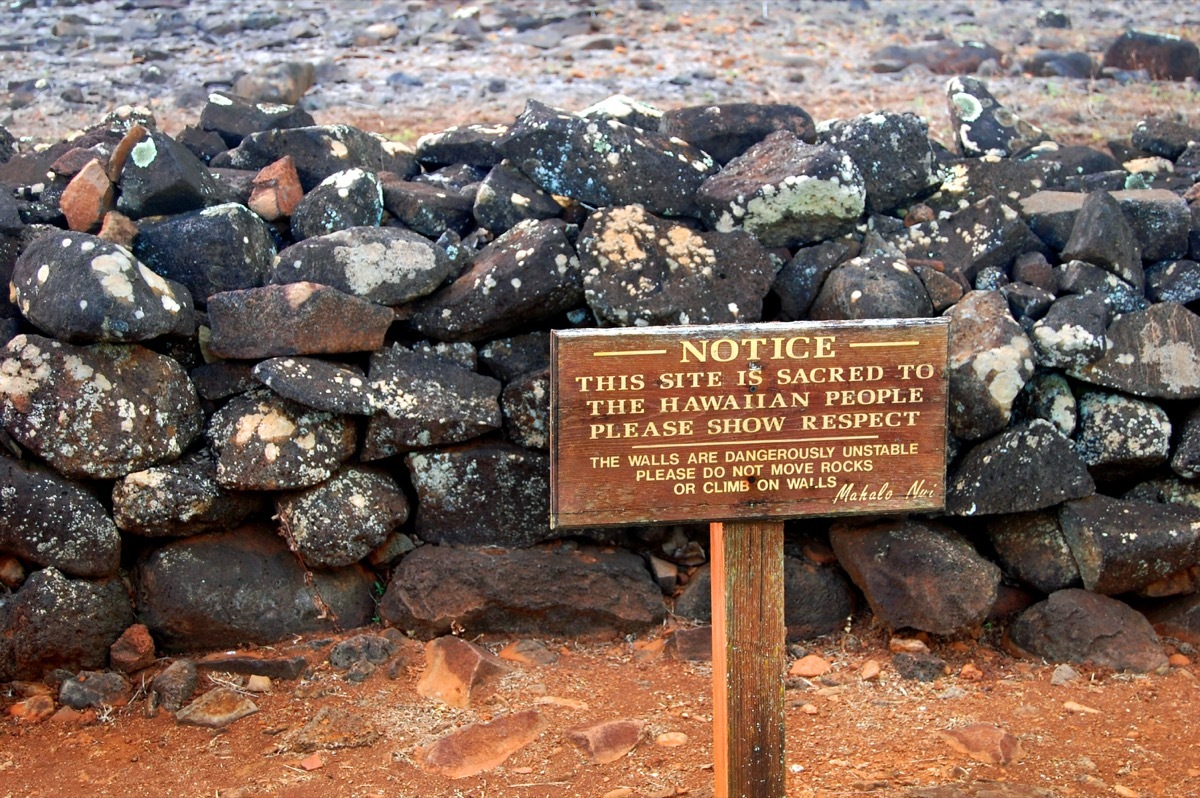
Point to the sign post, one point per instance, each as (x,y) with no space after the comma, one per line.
(744,426)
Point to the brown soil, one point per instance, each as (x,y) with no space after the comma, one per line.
(1138,736)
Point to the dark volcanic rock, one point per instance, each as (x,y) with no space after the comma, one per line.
(990,360)
(1077,626)
(878,285)
(1048,396)
(525,277)
(482,494)
(222,248)
(294,319)
(972,179)
(1121,546)
(891,151)
(520,592)
(605,162)
(1164,137)
(525,405)
(1024,469)
(318,384)
(1031,547)
(785,192)
(1077,277)
(507,197)
(511,357)
(158,175)
(916,574)
(639,269)
(179,499)
(1153,353)
(55,622)
(1103,236)
(99,411)
(425,400)
(175,686)
(919,666)
(342,520)
(1173,281)
(426,208)
(233,117)
(265,442)
(1072,333)
(320,151)
(82,289)
(1178,618)
(469,144)
(982,126)
(94,689)
(1164,57)
(1055,64)
(242,587)
(46,520)
(350,198)
(1119,436)
(799,281)
(725,131)
(1185,460)
(385,265)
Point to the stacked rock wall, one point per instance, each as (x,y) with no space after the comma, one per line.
(270,377)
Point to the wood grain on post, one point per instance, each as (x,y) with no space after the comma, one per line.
(748,659)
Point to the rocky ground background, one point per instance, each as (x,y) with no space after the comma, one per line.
(317,489)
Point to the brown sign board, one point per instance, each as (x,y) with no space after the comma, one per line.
(748,421)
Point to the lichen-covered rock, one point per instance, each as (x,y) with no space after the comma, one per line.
(340,521)
(1031,547)
(425,400)
(98,411)
(179,499)
(265,442)
(1080,279)
(891,151)
(1024,469)
(519,592)
(785,192)
(990,360)
(1048,396)
(525,277)
(385,265)
(874,285)
(641,270)
(56,622)
(469,144)
(233,117)
(318,384)
(1078,626)
(350,198)
(727,130)
(1123,545)
(46,520)
(1173,281)
(506,197)
(158,175)
(426,208)
(1185,459)
(223,248)
(241,587)
(525,405)
(1119,436)
(1072,333)
(482,494)
(605,162)
(82,289)
(970,180)
(915,574)
(982,126)
(1153,353)
(294,319)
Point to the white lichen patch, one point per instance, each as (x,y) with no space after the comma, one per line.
(269,424)
(367,267)
(1004,370)
(297,294)
(116,274)
(219,99)
(144,153)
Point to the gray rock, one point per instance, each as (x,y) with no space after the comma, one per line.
(982,126)
(349,198)
(520,593)
(342,520)
(318,384)
(175,685)
(295,319)
(1124,545)
(361,648)
(55,622)
(785,192)
(641,270)
(179,499)
(99,411)
(916,574)
(525,405)
(605,163)
(424,400)
(1162,136)
(727,130)
(1077,626)
(82,289)
(891,151)
(94,689)
(1072,333)
(49,521)
(217,708)
(482,494)
(265,442)
(159,176)
(223,248)
(1031,547)
(1153,353)
(525,277)
(1120,436)
(1160,219)
(506,197)
(1028,303)
(385,265)
(1170,490)
(1103,236)
(1023,469)
(990,361)
(876,285)
(919,666)
(242,587)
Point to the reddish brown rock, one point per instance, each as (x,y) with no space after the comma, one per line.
(34,709)
(480,746)
(607,741)
(276,190)
(457,672)
(216,709)
(87,198)
(986,743)
(133,650)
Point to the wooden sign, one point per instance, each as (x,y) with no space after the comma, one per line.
(754,421)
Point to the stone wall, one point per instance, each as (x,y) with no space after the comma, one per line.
(269,377)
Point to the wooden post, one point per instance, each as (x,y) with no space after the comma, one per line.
(748,659)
